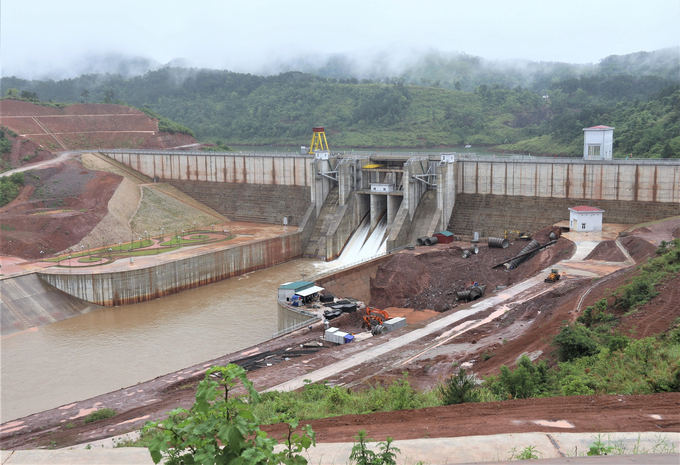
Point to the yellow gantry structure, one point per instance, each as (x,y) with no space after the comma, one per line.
(319,141)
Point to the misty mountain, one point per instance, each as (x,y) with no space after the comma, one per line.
(546,116)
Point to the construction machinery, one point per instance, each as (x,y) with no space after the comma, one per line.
(520,235)
(553,276)
(319,141)
(374,317)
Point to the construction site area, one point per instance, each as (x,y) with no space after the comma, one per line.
(424,265)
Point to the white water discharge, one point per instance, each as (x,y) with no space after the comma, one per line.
(361,246)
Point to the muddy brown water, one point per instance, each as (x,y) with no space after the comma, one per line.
(115,347)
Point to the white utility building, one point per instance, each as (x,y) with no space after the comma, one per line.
(598,143)
(584,219)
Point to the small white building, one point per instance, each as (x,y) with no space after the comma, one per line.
(382,187)
(448,157)
(584,219)
(598,143)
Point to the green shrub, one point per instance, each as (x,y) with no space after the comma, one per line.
(638,292)
(459,389)
(527,380)
(575,341)
(101,414)
(572,385)
(10,187)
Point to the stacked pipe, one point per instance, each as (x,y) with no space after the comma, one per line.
(515,262)
(498,242)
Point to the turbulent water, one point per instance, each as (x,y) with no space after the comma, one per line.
(361,246)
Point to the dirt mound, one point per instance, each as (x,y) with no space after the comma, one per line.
(57,207)
(638,248)
(606,251)
(429,277)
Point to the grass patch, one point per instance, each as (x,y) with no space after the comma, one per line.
(101,414)
(320,400)
(120,249)
(6,227)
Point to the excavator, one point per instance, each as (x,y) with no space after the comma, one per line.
(520,235)
(553,276)
(374,317)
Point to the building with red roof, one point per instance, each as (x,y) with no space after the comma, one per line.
(584,218)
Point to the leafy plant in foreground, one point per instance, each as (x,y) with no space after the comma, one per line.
(224,430)
(528,453)
(362,455)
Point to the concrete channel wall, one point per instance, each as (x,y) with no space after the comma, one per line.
(257,168)
(354,281)
(618,180)
(291,318)
(26,302)
(142,284)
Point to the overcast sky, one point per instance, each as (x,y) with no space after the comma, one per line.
(39,36)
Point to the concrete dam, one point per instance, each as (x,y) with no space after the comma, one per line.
(328,195)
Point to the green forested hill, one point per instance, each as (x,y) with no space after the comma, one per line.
(548,117)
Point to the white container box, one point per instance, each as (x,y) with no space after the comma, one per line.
(395,323)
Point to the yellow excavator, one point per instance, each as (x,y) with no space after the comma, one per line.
(553,276)
(520,235)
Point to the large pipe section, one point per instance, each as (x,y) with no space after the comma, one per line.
(498,242)
(473,293)
(432,240)
(524,254)
(421,240)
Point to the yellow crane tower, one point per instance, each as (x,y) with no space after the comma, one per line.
(319,141)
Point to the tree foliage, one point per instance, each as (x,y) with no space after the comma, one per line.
(439,101)
(10,187)
(220,429)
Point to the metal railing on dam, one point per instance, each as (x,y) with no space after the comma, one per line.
(208,154)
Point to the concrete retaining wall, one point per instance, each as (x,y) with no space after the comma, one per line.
(273,169)
(491,215)
(352,282)
(27,302)
(291,318)
(258,203)
(139,285)
(639,181)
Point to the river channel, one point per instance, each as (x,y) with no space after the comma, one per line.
(115,347)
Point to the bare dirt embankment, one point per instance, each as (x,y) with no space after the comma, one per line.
(41,131)
(56,208)
(90,201)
